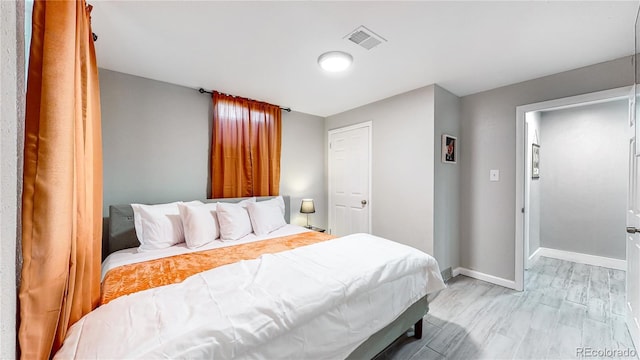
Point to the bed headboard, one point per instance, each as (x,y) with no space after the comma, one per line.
(122,233)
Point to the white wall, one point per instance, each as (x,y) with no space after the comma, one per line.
(446,182)
(403,161)
(156,139)
(534,136)
(11,128)
(488,128)
(583,179)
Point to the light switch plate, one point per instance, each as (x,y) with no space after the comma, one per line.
(494,175)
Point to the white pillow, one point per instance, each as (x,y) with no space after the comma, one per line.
(234,219)
(158,226)
(267,216)
(200,224)
(137,219)
(277,201)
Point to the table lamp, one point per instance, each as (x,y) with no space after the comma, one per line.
(307,207)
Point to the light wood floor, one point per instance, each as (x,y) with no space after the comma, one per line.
(565,306)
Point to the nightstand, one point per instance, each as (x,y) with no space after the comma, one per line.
(316,229)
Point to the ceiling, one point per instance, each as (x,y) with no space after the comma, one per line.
(268,50)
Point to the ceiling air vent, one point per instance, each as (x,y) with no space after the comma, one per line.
(365,38)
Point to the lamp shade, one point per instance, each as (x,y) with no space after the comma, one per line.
(307,206)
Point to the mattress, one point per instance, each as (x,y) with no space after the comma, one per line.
(317,301)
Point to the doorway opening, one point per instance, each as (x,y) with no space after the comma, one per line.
(531,178)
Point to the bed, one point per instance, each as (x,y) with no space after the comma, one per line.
(321,300)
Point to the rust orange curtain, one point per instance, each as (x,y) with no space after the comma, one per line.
(245,147)
(62,198)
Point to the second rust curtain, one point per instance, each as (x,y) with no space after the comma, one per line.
(245,147)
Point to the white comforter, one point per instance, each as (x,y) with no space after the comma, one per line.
(315,302)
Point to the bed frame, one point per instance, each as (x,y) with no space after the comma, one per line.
(122,235)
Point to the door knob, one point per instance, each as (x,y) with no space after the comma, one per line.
(363,202)
(632,230)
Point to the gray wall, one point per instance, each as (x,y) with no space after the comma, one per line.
(534,136)
(446,226)
(156,139)
(403,162)
(488,128)
(583,179)
(302,165)
(12,90)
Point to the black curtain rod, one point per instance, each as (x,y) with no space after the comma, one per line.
(203,91)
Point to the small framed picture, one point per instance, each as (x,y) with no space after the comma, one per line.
(535,161)
(449,149)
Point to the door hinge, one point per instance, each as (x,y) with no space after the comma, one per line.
(522,210)
(330,144)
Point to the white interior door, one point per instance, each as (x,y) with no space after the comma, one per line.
(350,180)
(633,227)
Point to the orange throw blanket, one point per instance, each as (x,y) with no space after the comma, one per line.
(136,277)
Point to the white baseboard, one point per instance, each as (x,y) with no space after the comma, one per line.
(484,277)
(534,257)
(583,258)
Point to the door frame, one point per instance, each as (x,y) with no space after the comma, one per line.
(366,124)
(521,152)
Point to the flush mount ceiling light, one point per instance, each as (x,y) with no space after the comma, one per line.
(334,61)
